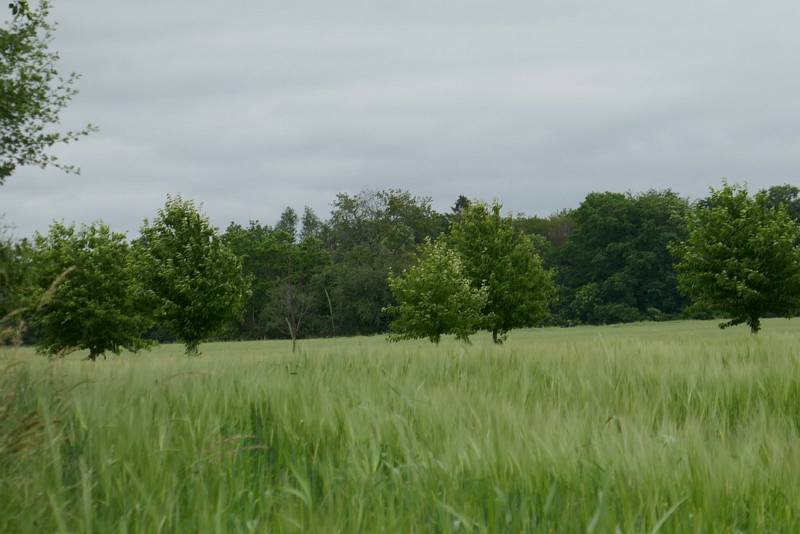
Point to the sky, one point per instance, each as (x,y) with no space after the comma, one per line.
(249,106)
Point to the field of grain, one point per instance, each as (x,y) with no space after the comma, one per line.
(671,427)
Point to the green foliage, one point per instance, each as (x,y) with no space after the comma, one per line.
(742,257)
(95,304)
(785,195)
(19,8)
(617,251)
(435,297)
(549,233)
(193,279)
(260,250)
(32,93)
(312,225)
(288,223)
(295,297)
(518,287)
(368,235)
(15,274)
(289,282)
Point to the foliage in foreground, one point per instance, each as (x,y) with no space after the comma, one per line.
(742,257)
(192,278)
(32,92)
(435,297)
(95,304)
(675,427)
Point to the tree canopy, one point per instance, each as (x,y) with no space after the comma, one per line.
(435,297)
(741,257)
(505,262)
(193,279)
(96,306)
(616,265)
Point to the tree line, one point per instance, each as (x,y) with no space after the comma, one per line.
(387,262)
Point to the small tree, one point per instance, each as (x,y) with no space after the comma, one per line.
(95,307)
(295,298)
(194,280)
(32,92)
(435,297)
(742,257)
(505,261)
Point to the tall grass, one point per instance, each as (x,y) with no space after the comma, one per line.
(670,427)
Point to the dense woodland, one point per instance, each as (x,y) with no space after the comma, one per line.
(610,259)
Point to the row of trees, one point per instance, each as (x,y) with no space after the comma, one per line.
(88,288)
(481,274)
(386,261)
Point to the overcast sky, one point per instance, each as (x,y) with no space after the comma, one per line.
(249,106)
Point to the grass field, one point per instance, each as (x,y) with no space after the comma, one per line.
(646,427)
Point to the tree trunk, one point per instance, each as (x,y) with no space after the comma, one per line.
(330,309)
(494,337)
(755,325)
(292,333)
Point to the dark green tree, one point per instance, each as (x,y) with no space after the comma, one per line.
(741,258)
(312,225)
(32,92)
(260,252)
(96,305)
(16,280)
(435,297)
(786,195)
(194,280)
(549,234)
(618,254)
(289,283)
(288,223)
(295,298)
(368,235)
(505,261)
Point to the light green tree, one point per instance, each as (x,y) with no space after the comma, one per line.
(32,92)
(505,262)
(94,305)
(741,258)
(193,279)
(435,297)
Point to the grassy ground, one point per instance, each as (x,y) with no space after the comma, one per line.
(671,426)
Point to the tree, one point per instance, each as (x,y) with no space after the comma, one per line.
(368,235)
(519,289)
(312,225)
(742,257)
(288,223)
(435,297)
(194,280)
(96,306)
(618,254)
(785,194)
(295,298)
(288,290)
(32,93)
(259,250)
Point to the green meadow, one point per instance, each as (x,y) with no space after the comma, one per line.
(670,427)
